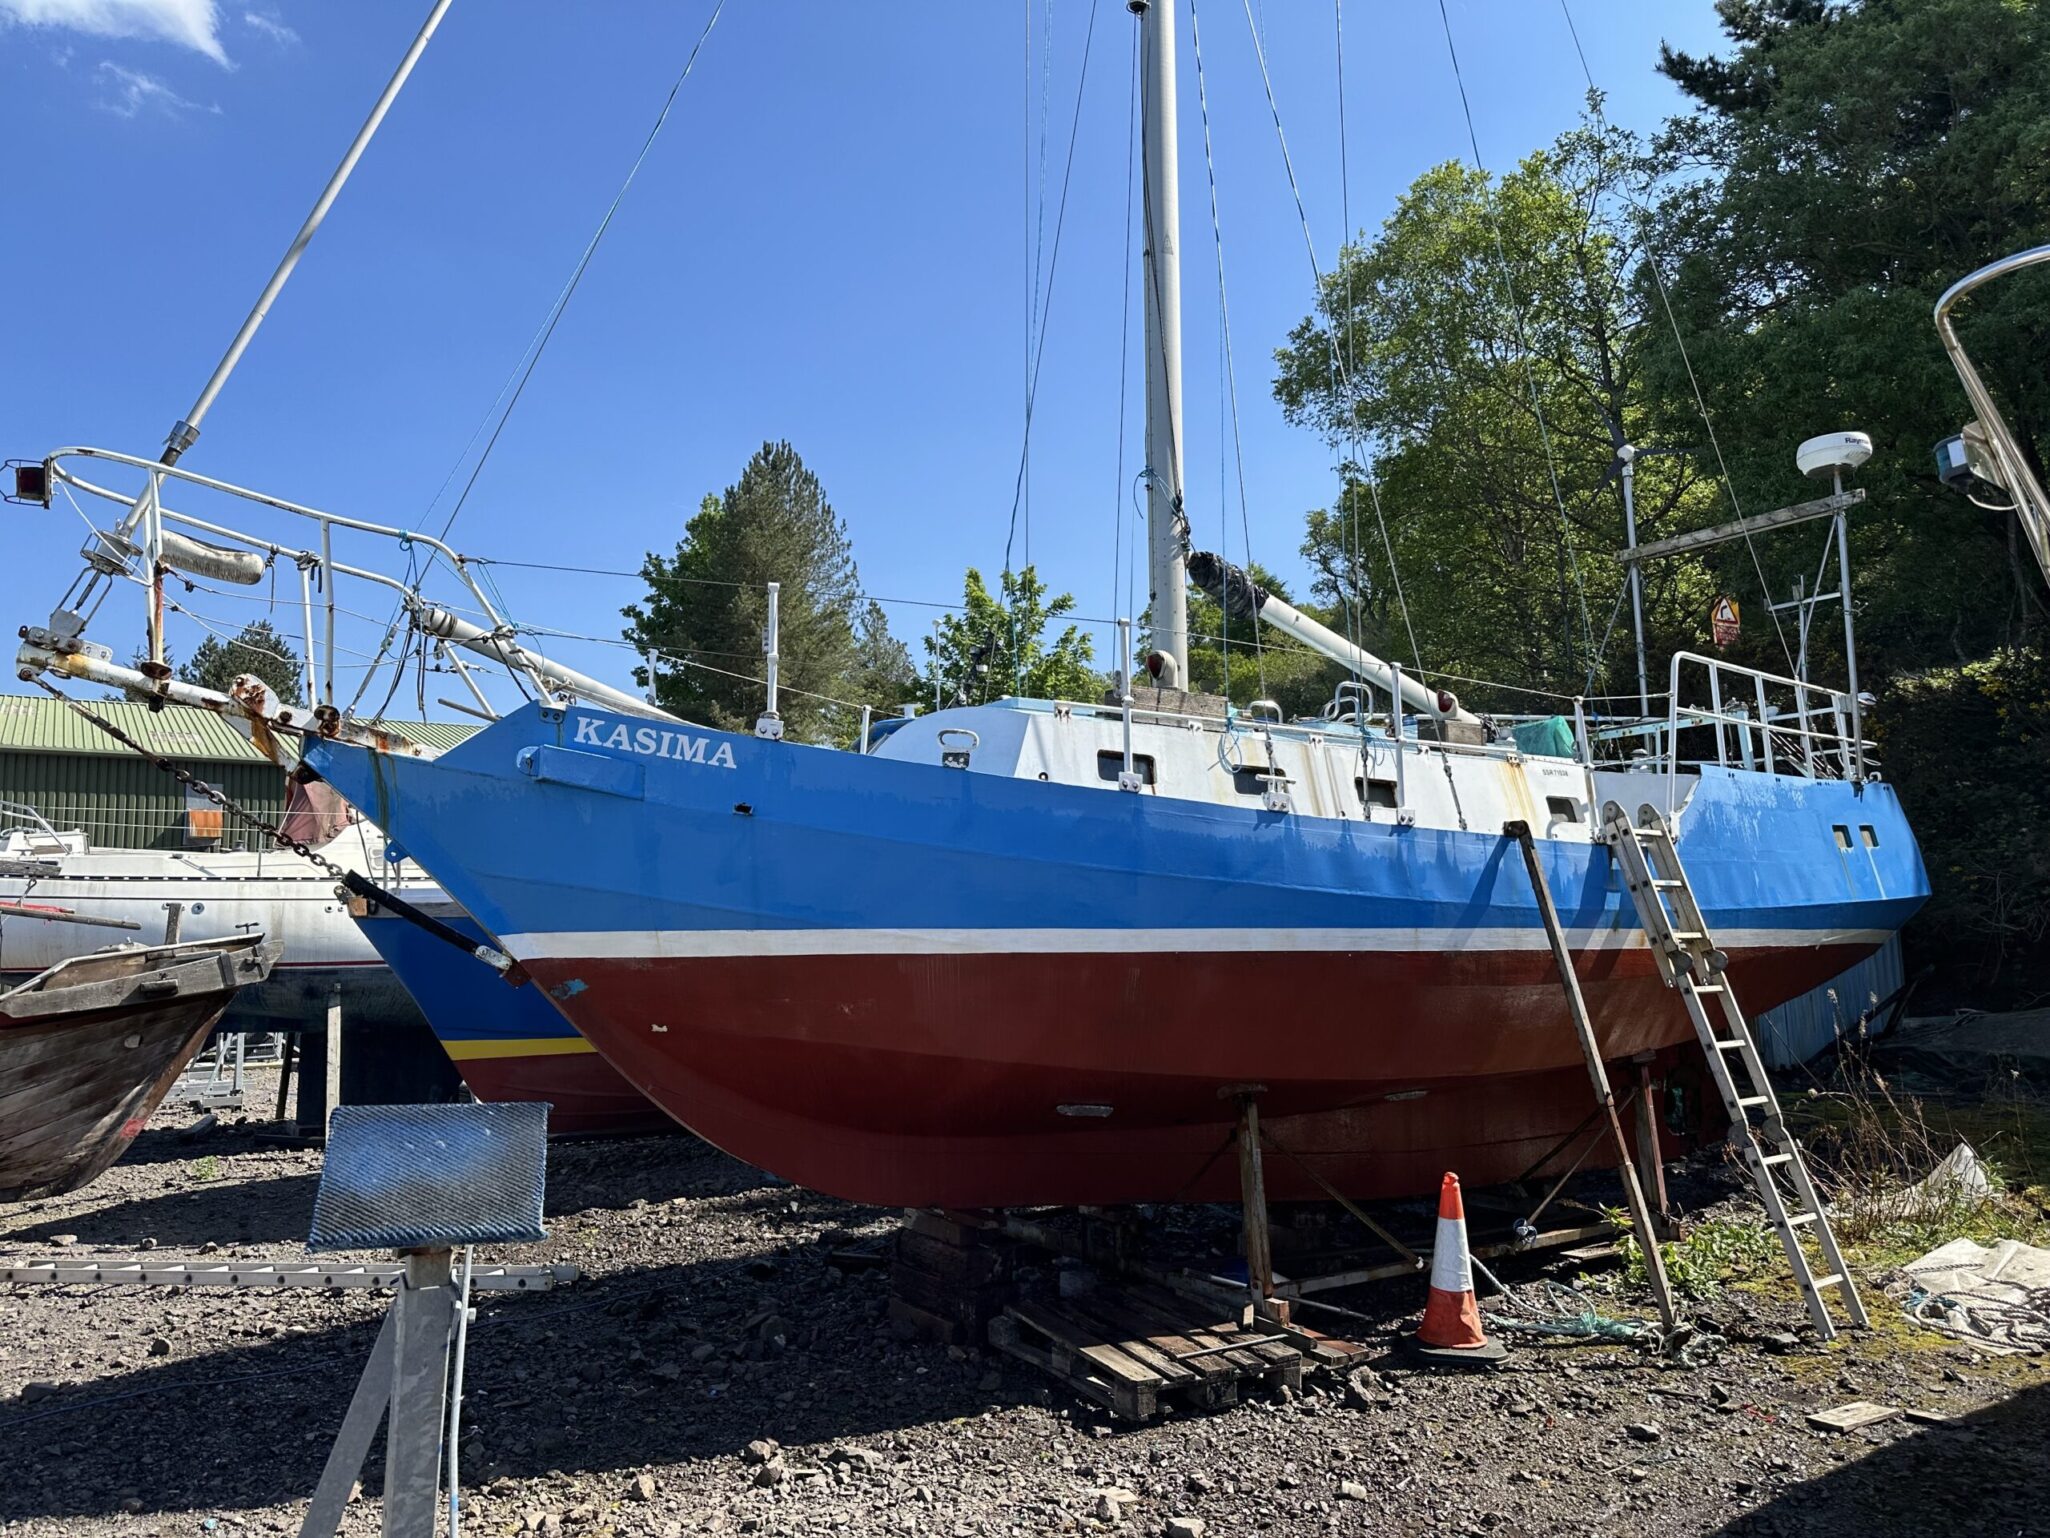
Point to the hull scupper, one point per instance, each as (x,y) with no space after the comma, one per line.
(970,969)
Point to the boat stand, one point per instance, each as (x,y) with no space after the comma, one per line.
(1598,1075)
(419,1179)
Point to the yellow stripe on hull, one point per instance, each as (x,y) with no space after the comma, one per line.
(535,1046)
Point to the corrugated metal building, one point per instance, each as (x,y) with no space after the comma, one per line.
(66,770)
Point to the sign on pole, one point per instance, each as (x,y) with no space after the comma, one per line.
(1724,622)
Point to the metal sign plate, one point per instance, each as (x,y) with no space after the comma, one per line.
(412,1176)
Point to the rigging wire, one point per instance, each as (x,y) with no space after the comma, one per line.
(1355,609)
(1021,487)
(1117,555)
(1035,223)
(1045,306)
(1523,341)
(516,384)
(1338,368)
(1228,397)
(576,276)
(1651,257)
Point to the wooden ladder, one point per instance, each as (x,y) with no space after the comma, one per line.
(1689,961)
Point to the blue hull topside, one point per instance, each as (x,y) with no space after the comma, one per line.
(538,826)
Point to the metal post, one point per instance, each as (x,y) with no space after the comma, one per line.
(1129,780)
(1627,455)
(327,578)
(1804,614)
(153,556)
(867,716)
(935,664)
(1395,731)
(771,724)
(1715,710)
(455,1398)
(333,1088)
(1843,585)
(1167,583)
(425,1309)
(1580,743)
(306,617)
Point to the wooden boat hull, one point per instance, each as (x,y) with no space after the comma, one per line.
(88,1051)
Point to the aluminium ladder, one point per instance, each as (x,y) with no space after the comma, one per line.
(1689,961)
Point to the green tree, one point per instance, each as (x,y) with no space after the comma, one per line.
(1982,818)
(997,645)
(707,605)
(1843,164)
(884,674)
(1476,365)
(259,649)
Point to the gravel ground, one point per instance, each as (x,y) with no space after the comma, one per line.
(708,1324)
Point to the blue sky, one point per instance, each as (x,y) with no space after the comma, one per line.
(831,243)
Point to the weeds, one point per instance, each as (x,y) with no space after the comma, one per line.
(207,1168)
(1874,1150)
(1701,1261)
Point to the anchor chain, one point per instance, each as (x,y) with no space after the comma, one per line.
(353,882)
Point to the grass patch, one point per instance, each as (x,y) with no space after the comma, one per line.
(207,1168)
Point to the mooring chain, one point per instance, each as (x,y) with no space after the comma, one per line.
(348,880)
(193,782)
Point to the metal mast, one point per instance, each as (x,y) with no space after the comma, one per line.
(1166,527)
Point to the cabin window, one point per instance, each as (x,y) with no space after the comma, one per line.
(1870,834)
(1565,808)
(1110,764)
(1253,779)
(1843,835)
(1375,792)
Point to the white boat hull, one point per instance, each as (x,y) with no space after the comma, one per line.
(238,892)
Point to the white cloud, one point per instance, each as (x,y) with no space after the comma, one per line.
(193,24)
(269,26)
(129,93)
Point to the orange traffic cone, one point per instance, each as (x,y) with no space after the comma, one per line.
(1451,1330)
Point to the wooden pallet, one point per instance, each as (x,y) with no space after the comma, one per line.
(1129,1347)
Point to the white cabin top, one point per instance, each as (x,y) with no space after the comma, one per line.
(1310,769)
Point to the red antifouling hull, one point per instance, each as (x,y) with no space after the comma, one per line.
(986,1080)
(587,1096)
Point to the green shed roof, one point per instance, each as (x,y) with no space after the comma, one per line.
(38,724)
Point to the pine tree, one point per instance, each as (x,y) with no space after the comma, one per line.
(707,607)
(259,649)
